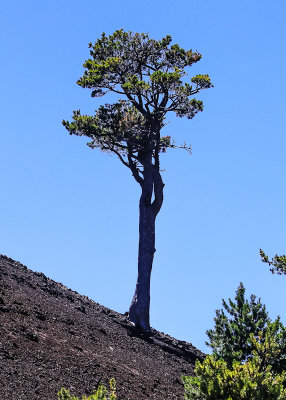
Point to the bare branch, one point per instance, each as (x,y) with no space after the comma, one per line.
(134,169)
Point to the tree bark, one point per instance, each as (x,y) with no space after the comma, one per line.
(140,306)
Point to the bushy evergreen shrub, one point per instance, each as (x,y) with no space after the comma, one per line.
(253,380)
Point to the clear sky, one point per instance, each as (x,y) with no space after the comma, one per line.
(72,212)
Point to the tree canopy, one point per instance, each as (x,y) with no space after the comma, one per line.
(149,75)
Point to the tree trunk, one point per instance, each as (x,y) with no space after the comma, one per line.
(148,210)
(140,306)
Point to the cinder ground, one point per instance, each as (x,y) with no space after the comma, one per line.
(52,337)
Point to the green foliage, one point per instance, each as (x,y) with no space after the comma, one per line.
(231,337)
(249,359)
(202,81)
(278,263)
(101,394)
(253,380)
(134,57)
(148,74)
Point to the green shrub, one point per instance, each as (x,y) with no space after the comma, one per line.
(253,380)
(101,394)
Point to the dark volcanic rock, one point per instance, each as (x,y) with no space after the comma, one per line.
(52,337)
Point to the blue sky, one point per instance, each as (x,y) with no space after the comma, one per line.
(72,212)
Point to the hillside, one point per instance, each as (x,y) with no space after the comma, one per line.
(50,337)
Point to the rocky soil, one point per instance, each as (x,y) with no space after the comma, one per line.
(52,337)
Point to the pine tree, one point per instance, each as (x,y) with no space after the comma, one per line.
(148,76)
(242,318)
(229,339)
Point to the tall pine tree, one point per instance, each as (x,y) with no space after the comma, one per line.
(149,77)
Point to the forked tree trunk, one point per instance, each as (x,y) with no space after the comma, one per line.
(148,210)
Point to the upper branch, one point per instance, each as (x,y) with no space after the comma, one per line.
(149,75)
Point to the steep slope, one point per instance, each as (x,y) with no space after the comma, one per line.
(52,337)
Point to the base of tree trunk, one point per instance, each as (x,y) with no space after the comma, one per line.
(138,318)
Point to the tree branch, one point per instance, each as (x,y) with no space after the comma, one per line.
(134,170)
(158,190)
